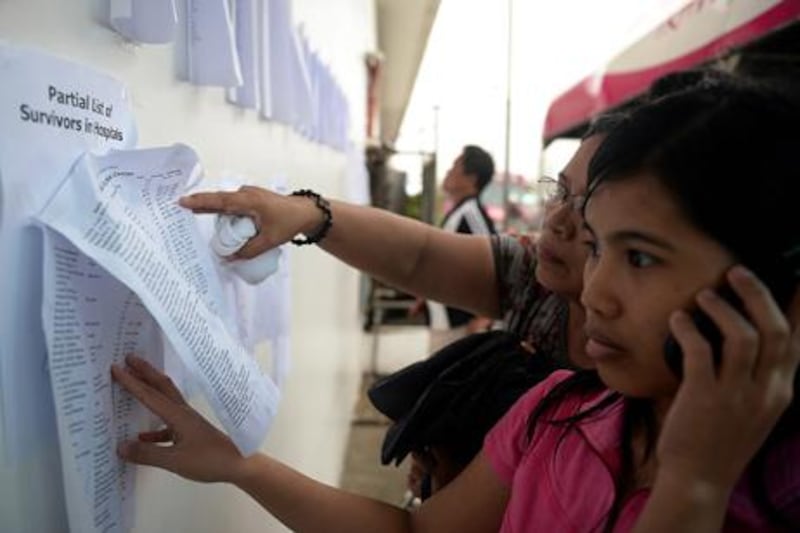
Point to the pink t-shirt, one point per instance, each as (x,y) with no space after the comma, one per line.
(563,480)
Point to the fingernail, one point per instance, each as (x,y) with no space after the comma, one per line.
(679,315)
(741,272)
(706,295)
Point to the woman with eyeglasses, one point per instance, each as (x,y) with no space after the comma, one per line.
(499,277)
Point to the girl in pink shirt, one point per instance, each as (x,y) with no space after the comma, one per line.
(692,191)
(664,221)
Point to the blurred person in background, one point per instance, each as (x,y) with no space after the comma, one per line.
(469,174)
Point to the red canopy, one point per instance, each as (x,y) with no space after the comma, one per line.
(701,31)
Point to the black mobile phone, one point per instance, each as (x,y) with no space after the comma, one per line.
(707,328)
(781,284)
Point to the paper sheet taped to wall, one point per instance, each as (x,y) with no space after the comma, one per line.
(121,210)
(51,111)
(247,30)
(144,21)
(211,57)
(91,320)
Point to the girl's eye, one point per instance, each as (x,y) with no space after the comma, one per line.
(591,246)
(640,259)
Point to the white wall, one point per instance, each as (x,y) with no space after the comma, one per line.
(312,425)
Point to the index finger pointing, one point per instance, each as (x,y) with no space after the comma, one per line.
(214,202)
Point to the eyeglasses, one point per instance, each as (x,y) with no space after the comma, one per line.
(556,193)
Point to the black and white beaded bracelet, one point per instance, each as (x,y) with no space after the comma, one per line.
(322,230)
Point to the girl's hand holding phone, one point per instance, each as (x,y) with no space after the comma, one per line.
(720,417)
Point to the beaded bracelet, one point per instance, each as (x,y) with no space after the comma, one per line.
(326,224)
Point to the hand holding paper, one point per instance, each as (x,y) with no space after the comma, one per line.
(198,450)
(120,210)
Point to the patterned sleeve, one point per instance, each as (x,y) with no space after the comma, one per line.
(531,311)
(515,263)
(508,441)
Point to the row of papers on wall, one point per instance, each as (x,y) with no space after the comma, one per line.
(251,48)
(99,261)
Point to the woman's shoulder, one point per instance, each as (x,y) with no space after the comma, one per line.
(506,444)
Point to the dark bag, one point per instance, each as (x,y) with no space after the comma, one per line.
(453,398)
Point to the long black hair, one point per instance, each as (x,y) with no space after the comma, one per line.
(725,150)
